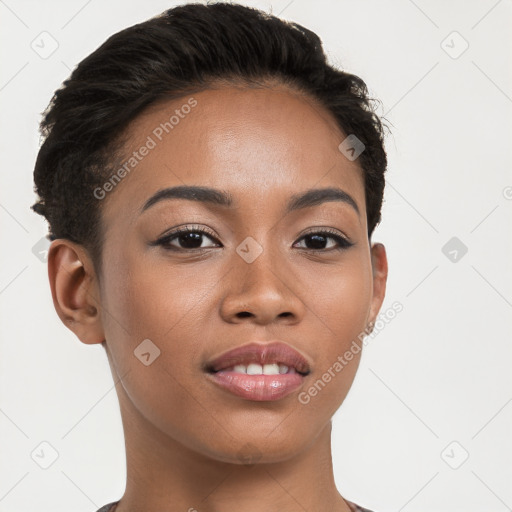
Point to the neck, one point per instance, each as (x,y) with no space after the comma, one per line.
(165,475)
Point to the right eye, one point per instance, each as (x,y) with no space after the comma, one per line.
(186,238)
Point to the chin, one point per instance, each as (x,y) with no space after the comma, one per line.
(262,449)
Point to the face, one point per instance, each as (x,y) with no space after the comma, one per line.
(254,270)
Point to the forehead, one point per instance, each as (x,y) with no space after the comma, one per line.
(260,144)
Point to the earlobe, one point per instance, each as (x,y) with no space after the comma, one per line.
(380,275)
(74,290)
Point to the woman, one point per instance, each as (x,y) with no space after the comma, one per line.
(211,186)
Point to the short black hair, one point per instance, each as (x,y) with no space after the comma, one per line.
(183,50)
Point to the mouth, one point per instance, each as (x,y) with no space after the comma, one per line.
(259,372)
(255,358)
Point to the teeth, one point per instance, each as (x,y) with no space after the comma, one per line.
(255,369)
(258,369)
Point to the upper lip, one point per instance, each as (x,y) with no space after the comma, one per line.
(260,353)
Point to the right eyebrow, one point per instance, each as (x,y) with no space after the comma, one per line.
(192,193)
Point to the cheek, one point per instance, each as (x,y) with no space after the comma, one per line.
(340,297)
(173,307)
(158,300)
(349,309)
(145,302)
(339,301)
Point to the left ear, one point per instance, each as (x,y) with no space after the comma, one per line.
(380,276)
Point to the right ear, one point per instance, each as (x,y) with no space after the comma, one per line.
(75,290)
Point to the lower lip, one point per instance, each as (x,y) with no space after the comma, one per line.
(259,388)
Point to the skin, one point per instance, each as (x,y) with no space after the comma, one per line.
(184,436)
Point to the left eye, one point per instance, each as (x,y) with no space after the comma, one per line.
(319,239)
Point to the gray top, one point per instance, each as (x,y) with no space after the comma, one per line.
(107,507)
(353,506)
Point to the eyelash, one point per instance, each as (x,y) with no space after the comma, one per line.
(164,241)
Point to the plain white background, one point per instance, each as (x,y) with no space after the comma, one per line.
(426,425)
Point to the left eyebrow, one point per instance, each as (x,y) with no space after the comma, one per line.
(312,197)
(316,196)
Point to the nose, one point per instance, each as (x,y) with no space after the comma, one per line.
(262,292)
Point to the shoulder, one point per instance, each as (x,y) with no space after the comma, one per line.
(106,508)
(353,507)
